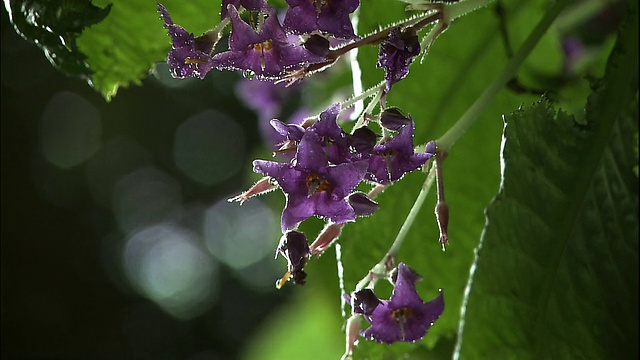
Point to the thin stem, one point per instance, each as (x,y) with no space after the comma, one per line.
(372,39)
(382,267)
(369,92)
(370,106)
(471,115)
(455,10)
(411,217)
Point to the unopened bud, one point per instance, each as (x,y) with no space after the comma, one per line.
(317,45)
(263,185)
(393,119)
(364,302)
(352,333)
(327,236)
(363,140)
(362,205)
(442,216)
(293,246)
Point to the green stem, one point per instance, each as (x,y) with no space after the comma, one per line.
(411,217)
(369,92)
(471,115)
(372,104)
(455,10)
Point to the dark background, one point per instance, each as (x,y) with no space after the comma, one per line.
(62,295)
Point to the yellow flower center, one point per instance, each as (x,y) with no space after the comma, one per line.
(315,184)
(194,61)
(263,46)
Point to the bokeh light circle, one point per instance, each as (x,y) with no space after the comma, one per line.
(167,265)
(209,147)
(70,130)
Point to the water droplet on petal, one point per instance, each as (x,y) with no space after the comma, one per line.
(248,74)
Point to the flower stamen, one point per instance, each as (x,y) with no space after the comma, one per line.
(194,61)
(284,279)
(401,315)
(315,184)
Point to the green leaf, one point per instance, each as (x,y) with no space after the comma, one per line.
(126,45)
(436,93)
(556,274)
(55,26)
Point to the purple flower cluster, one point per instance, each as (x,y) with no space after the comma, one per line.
(329,163)
(264,49)
(404,317)
(323,166)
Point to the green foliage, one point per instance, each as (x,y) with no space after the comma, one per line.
(121,49)
(556,274)
(55,26)
(436,93)
(557,269)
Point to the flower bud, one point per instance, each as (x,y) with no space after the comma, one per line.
(317,45)
(393,119)
(294,247)
(442,216)
(362,205)
(263,185)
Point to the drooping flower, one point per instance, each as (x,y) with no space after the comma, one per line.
(330,16)
(266,52)
(189,55)
(294,247)
(396,54)
(404,317)
(312,186)
(393,159)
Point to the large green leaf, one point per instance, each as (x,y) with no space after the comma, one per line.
(556,274)
(126,45)
(55,26)
(436,93)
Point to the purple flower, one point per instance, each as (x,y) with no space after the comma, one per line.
(396,54)
(334,139)
(391,160)
(251,5)
(189,56)
(331,16)
(404,317)
(267,52)
(573,50)
(312,186)
(294,247)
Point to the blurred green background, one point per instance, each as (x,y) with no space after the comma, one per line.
(117,239)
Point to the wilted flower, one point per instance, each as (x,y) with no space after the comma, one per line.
(294,247)
(396,54)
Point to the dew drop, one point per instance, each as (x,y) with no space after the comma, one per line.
(248,74)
